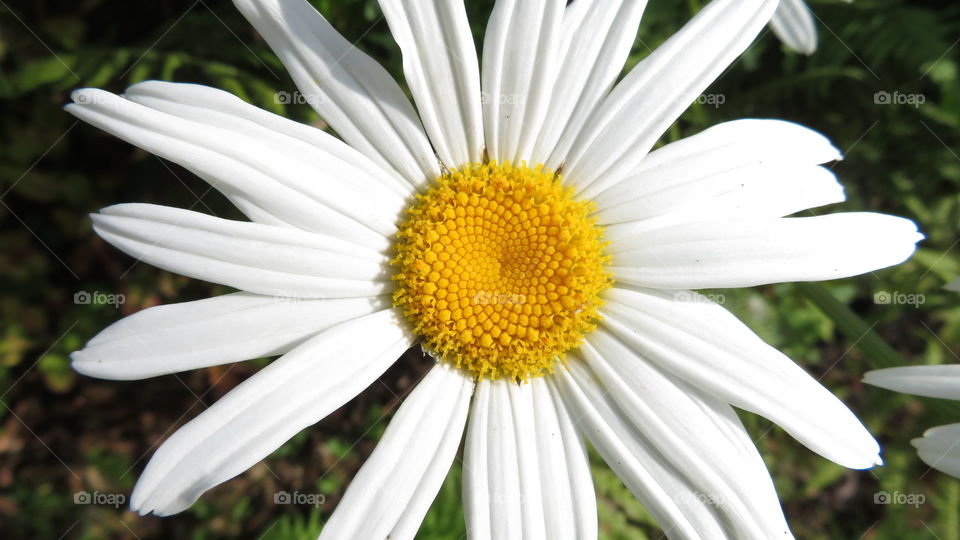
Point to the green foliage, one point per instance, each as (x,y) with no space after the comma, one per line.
(295,526)
(621,516)
(61,433)
(444,520)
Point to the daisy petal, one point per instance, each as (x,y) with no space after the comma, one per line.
(596,40)
(296,141)
(569,501)
(702,343)
(695,433)
(525,468)
(793,23)
(241,165)
(940,448)
(491,503)
(629,121)
(350,90)
(757,191)
(255,418)
(256,258)
(519,64)
(441,68)
(230,328)
(757,251)
(392,492)
(745,168)
(256,213)
(667,496)
(930,381)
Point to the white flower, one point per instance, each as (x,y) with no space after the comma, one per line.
(794,24)
(940,446)
(497,268)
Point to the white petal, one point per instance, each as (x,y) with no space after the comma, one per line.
(696,434)
(210,332)
(501,489)
(350,90)
(793,23)
(441,68)
(757,251)
(526,473)
(255,418)
(569,501)
(734,143)
(641,107)
(252,257)
(239,164)
(930,381)
(393,490)
(256,213)
(940,448)
(335,159)
(665,493)
(596,39)
(491,501)
(953,285)
(745,168)
(753,191)
(704,344)
(519,65)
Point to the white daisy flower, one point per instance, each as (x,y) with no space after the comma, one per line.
(795,25)
(940,446)
(555,298)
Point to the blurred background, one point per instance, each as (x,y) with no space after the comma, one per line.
(883,86)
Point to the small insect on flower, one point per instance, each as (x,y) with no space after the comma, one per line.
(515,224)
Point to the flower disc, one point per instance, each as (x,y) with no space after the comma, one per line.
(500,269)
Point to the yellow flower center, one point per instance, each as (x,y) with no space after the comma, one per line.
(500,270)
